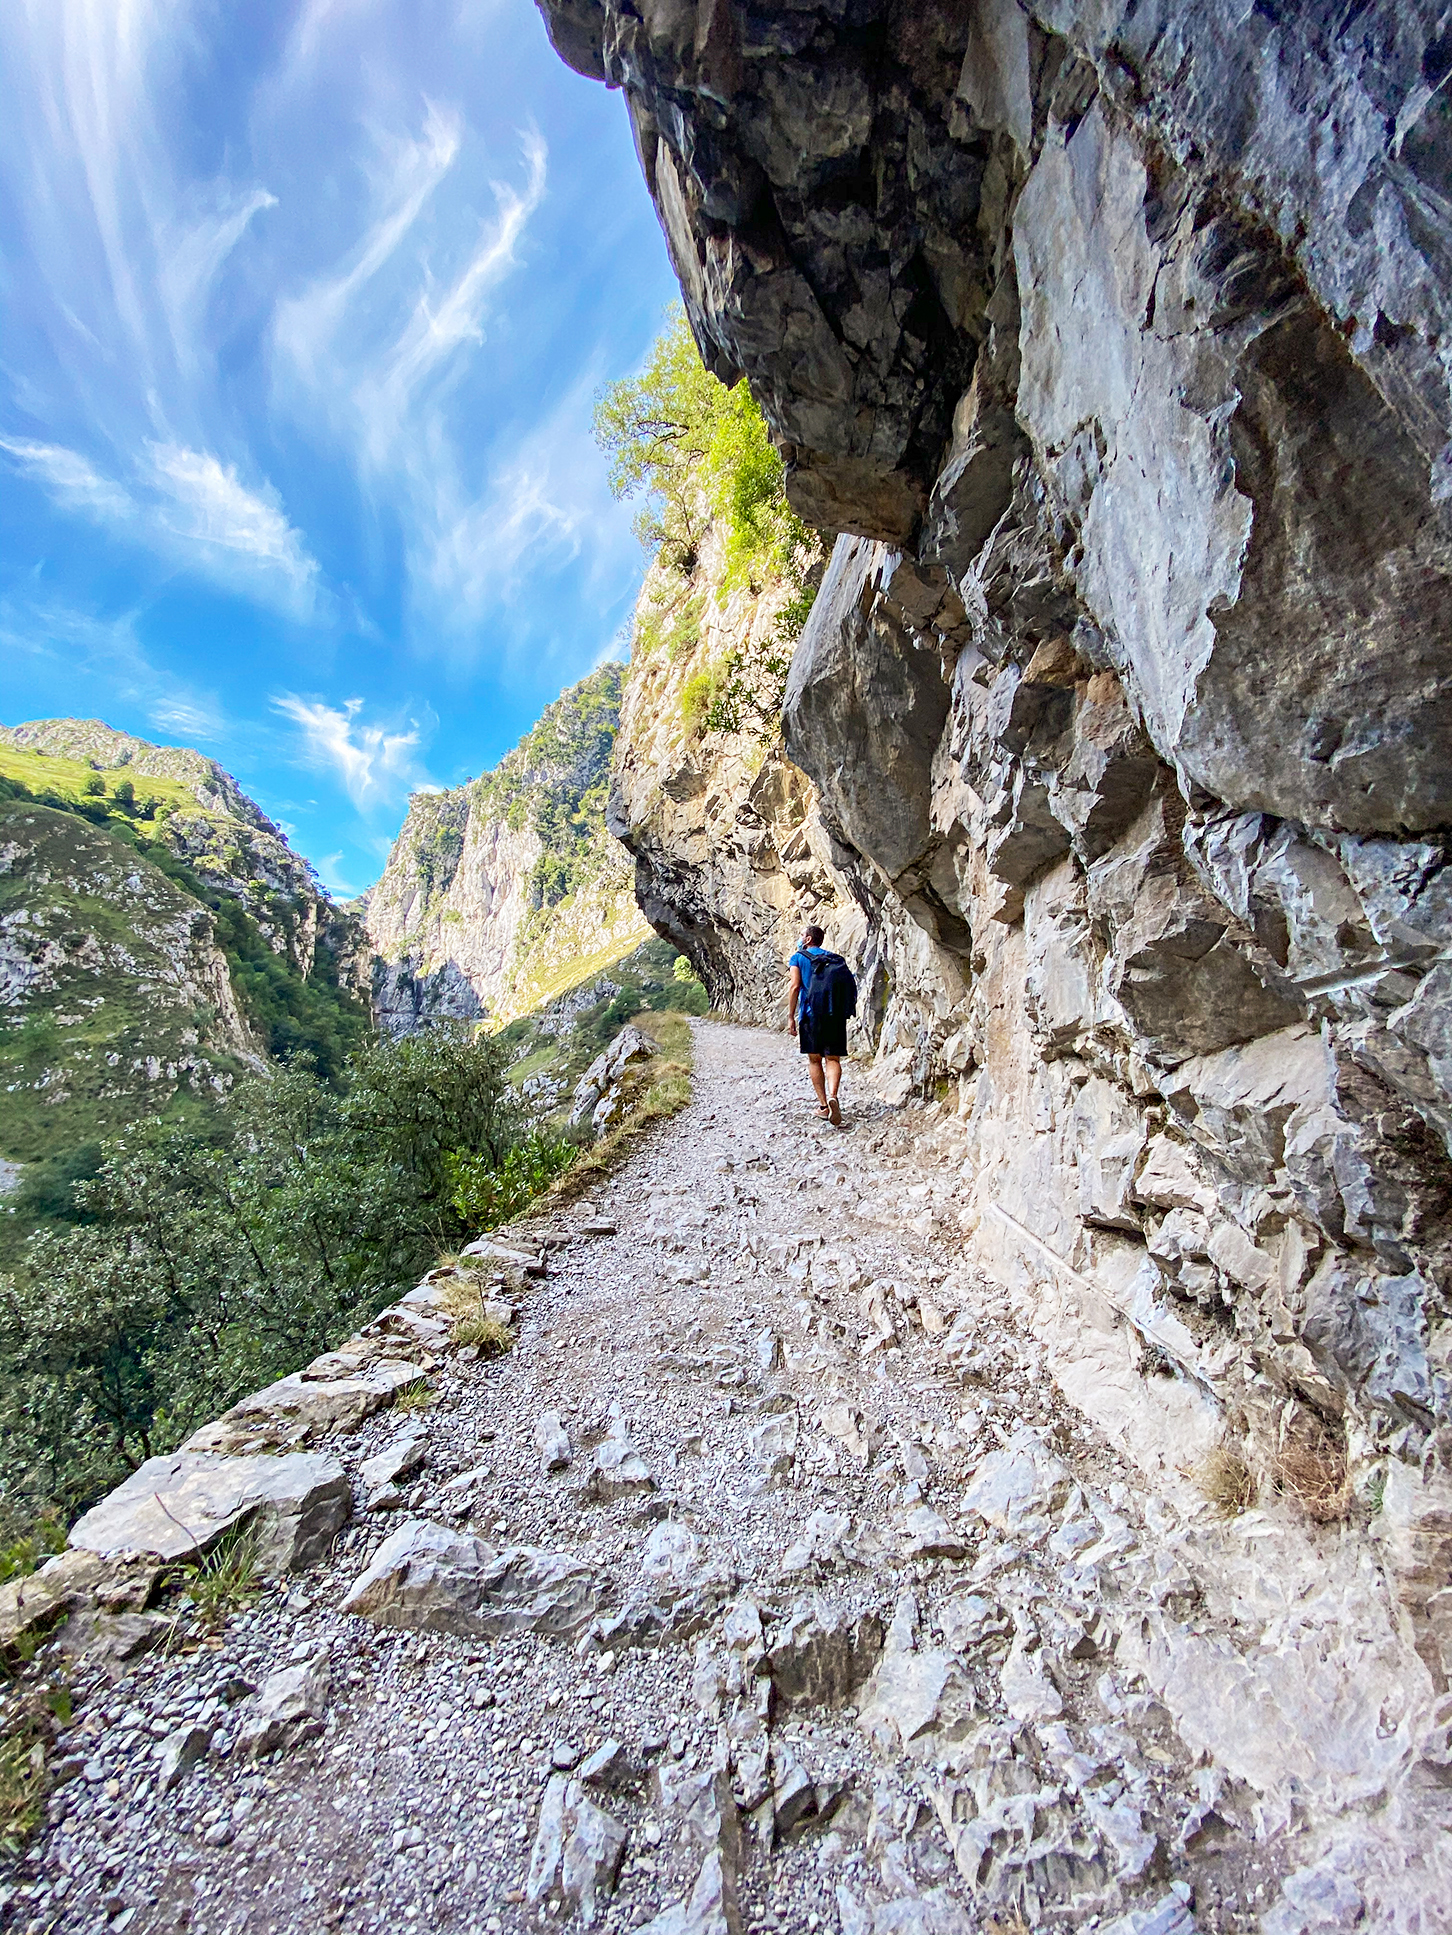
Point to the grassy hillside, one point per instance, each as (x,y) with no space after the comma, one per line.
(552,1047)
(146,959)
(102,796)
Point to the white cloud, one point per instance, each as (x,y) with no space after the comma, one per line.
(124,247)
(375,765)
(189,506)
(70,478)
(436,329)
(189,718)
(408,173)
(377,350)
(104,658)
(208,504)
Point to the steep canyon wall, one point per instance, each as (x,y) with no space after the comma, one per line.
(1113,341)
(500,892)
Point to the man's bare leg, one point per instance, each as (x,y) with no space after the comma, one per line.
(819,1080)
(832,1075)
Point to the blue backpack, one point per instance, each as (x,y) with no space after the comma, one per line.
(831,994)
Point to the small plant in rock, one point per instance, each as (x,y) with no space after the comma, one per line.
(417,1396)
(22,1786)
(1227,1480)
(487,1334)
(225,1581)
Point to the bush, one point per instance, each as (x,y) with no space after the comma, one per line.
(486,1195)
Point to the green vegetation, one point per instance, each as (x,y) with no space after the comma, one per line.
(700,454)
(72,784)
(417,1396)
(486,1194)
(488,1336)
(556,780)
(23,1550)
(210,1263)
(22,1786)
(435,832)
(225,1581)
(103,1035)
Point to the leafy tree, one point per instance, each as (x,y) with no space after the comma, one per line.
(697,452)
(700,454)
(207,1266)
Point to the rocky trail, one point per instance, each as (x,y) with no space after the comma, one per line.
(769,1583)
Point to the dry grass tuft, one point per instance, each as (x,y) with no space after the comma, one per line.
(490,1338)
(1227,1480)
(667,1095)
(1315,1476)
(463,1295)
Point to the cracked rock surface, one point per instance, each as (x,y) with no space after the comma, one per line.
(939,1654)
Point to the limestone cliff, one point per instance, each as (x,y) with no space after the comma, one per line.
(505,890)
(733,852)
(1113,340)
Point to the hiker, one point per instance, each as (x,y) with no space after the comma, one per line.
(821,999)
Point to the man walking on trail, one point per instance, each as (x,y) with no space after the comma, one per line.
(822,1037)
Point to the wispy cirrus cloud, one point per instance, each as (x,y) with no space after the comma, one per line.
(104,658)
(377,348)
(189,507)
(376,764)
(207,504)
(116,327)
(304,305)
(71,479)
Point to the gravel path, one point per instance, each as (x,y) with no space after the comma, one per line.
(804,1449)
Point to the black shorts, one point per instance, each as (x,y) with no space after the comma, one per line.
(828,1037)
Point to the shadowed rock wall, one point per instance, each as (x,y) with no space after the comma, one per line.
(1113,339)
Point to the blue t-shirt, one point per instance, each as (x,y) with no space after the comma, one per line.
(803,959)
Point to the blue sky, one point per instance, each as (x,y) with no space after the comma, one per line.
(304,311)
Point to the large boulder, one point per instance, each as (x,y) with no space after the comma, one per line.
(180,1505)
(427,1577)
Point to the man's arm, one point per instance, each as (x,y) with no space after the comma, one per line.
(794,988)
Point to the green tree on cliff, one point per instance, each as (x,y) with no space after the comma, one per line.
(698,453)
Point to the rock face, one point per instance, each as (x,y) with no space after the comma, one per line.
(495,891)
(608,1085)
(1113,342)
(734,851)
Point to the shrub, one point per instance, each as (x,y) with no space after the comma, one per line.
(211,1263)
(486,1195)
(696,696)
